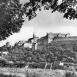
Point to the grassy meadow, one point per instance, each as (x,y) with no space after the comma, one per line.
(22,72)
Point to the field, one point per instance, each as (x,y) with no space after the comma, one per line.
(13,71)
(22,72)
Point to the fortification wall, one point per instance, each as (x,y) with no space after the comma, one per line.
(42,43)
(64,42)
(65,38)
(71,44)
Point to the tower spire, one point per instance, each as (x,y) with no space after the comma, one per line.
(34,34)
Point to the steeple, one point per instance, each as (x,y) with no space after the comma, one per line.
(34,34)
(34,45)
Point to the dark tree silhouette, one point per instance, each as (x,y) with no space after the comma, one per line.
(66,6)
(12,12)
(10,17)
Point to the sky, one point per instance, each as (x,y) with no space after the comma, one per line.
(43,23)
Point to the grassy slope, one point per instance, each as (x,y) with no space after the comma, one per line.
(33,72)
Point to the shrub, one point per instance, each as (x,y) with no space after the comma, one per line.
(69,74)
(1,75)
(33,74)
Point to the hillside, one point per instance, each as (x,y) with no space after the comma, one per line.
(48,54)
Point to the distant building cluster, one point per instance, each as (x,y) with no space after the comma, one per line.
(55,39)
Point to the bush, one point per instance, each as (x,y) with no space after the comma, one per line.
(33,74)
(69,74)
(1,75)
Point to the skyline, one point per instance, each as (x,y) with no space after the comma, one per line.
(44,22)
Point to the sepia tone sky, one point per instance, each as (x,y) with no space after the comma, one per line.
(43,23)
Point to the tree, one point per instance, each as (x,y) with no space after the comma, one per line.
(12,12)
(10,17)
(67,7)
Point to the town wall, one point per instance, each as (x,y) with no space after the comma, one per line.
(41,43)
(64,42)
(65,38)
(58,40)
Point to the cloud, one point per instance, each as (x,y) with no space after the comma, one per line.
(24,34)
(69,29)
(23,1)
(46,19)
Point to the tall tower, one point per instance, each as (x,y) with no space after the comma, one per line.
(34,35)
(34,45)
(8,46)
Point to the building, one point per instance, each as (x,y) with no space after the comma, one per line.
(54,39)
(28,45)
(58,40)
(49,38)
(32,42)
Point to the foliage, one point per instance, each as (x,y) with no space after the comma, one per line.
(10,17)
(48,54)
(66,6)
(69,74)
(1,75)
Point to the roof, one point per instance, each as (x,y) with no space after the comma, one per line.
(42,38)
(30,39)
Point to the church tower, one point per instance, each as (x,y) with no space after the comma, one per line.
(34,44)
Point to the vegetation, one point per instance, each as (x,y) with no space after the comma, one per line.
(48,54)
(12,12)
(1,75)
(37,73)
(69,74)
(11,17)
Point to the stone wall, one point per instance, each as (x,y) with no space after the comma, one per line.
(65,38)
(71,44)
(58,40)
(41,43)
